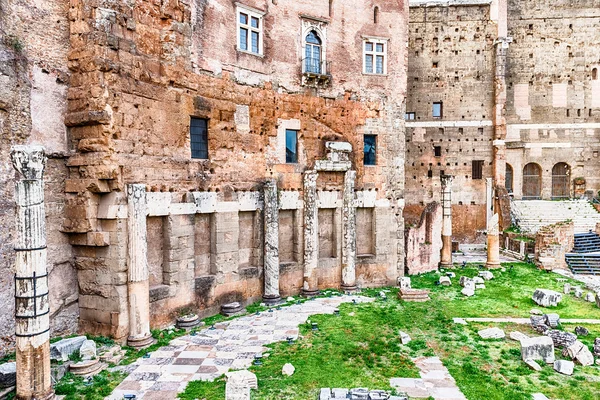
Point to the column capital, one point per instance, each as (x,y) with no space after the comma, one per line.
(29,161)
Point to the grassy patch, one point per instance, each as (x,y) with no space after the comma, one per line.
(77,388)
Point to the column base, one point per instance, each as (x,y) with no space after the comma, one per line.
(272,300)
(446,265)
(310,293)
(349,289)
(49,396)
(139,343)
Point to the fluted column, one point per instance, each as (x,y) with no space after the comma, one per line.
(311,235)
(32,308)
(137,268)
(446,253)
(349,234)
(271,259)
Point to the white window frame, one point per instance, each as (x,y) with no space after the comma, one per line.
(374,53)
(251,13)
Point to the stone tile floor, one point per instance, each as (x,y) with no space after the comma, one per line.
(435,381)
(212,352)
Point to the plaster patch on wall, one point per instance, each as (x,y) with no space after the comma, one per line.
(418,135)
(596,94)
(242,118)
(522,106)
(559,95)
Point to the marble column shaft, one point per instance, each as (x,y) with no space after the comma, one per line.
(349,233)
(311,234)
(493,243)
(446,253)
(32,308)
(271,259)
(137,268)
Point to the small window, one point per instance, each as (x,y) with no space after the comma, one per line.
(437,151)
(250,36)
(375,54)
(477,169)
(291,146)
(435,65)
(430,174)
(437,110)
(376,15)
(370,150)
(199,137)
(595,73)
(409,116)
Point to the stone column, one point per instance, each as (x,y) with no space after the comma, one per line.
(32,308)
(311,235)
(271,259)
(446,254)
(349,234)
(489,193)
(138,285)
(493,243)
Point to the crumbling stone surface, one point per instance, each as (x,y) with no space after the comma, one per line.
(62,349)
(561,339)
(546,297)
(564,367)
(538,348)
(580,353)
(8,375)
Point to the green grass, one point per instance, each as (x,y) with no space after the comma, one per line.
(76,388)
(361,347)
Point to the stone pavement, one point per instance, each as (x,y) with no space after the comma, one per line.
(435,381)
(214,351)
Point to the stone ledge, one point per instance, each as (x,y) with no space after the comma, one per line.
(159,292)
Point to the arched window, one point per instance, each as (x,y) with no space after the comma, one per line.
(561,179)
(312,60)
(376,14)
(595,73)
(508,178)
(532,181)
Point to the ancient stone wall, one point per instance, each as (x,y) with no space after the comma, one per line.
(451,63)
(424,241)
(139,74)
(553,93)
(33,94)
(552,242)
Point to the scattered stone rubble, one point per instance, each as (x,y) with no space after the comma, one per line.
(546,297)
(238,385)
(445,281)
(416,295)
(288,369)
(518,336)
(8,375)
(561,339)
(564,367)
(357,394)
(404,337)
(62,349)
(492,333)
(580,353)
(538,348)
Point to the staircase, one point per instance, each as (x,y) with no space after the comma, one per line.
(585,258)
(531,215)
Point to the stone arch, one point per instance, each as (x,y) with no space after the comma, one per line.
(561,179)
(532,181)
(509,178)
(376,15)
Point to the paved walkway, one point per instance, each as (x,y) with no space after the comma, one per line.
(526,321)
(212,352)
(435,381)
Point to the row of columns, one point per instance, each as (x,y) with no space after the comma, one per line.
(310,285)
(492,225)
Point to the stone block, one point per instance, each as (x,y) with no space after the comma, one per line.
(87,351)
(518,336)
(581,331)
(478,280)
(468,292)
(8,375)
(359,394)
(325,394)
(533,365)
(492,333)
(552,320)
(62,349)
(590,297)
(564,367)
(539,396)
(404,282)
(538,348)
(378,395)
(597,347)
(567,288)
(445,281)
(288,369)
(546,297)
(404,337)
(487,275)
(561,339)
(580,353)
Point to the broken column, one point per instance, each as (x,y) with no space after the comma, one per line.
(446,253)
(493,243)
(271,266)
(349,234)
(32,307)
(311,235)
(138,284)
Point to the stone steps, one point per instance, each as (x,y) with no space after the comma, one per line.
(531,215)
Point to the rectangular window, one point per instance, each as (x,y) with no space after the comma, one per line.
(250,31)
(409,116)
(375,54)
(199,137)
(437,110)
(370,150)
(477,169)
(437,151)
(291,146)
